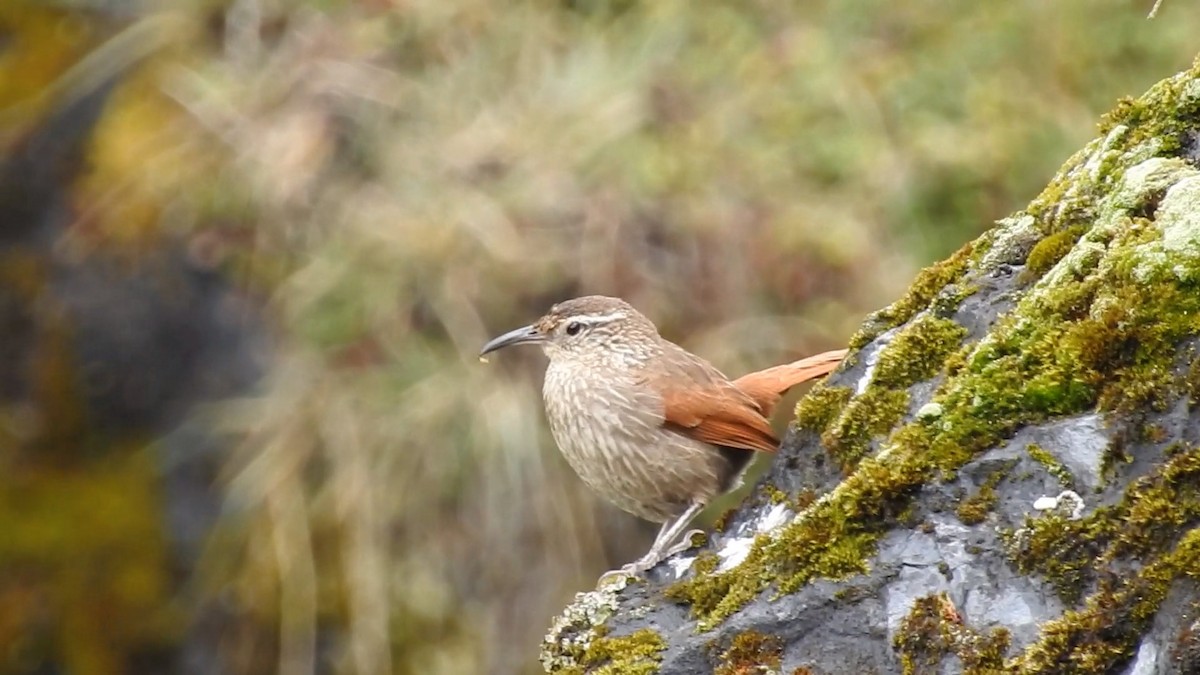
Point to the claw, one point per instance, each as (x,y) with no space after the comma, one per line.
(684,544)
(614,577)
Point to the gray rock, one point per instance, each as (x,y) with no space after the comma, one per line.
(1050,465)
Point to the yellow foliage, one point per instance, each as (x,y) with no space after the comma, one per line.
(85,560)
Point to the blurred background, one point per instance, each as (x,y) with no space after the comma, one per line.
(249,250)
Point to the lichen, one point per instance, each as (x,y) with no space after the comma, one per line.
(570,640)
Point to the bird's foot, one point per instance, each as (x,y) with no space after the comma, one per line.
(633,569)
(613,577)
(652,558)
(642,564)
(685,543)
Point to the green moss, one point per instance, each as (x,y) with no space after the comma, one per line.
(804,499)
(920,295)
(1053,466)
(1153,511)
(703,585)
(773,493)
(1105,632)
(634,654)
(933,629)
(917,352)
(751,652)
(1048,358)
(1154,433)
(821,406)
(974,509)
(1050,250)
(1135,130)
(722,520)
(1145,118)
(868,415)
(1063,551)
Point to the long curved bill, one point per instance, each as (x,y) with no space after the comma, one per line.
(522,335)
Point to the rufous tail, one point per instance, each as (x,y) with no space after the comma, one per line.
(766,387)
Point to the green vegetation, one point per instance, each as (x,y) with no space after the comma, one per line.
(633,654)
(974,509)
(750,652)
(1053,466)
(934,628)
(849,423)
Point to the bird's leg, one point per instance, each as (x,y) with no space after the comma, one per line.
(666,536)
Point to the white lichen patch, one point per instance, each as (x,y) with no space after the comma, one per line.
(1013,236)
(1068,503)
(1142,181)
(1191,90)
(734,552)
(1109,152)
(930,411)
(1178,218)
(1078,262)
(573,630)
(1179,215)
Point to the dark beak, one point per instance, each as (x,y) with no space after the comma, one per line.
(513,337)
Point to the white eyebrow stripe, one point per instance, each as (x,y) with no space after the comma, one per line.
(598,319)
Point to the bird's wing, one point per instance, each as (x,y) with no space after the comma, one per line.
(701,403)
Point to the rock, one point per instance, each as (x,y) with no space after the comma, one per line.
(1019,454)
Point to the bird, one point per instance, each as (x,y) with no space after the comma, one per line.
(649,426)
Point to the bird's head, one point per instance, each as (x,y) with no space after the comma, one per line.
(594,326)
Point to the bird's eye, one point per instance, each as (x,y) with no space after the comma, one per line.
(574,328)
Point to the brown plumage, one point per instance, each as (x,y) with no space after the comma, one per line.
(648,425)
(734,414)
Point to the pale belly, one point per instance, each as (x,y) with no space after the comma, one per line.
(615,442)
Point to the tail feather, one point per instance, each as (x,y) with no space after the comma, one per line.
(766,387)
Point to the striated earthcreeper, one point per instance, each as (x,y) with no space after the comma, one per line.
(648,425)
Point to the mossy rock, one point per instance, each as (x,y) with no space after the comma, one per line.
(949,546)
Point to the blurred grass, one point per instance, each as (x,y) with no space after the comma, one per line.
(398,181)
